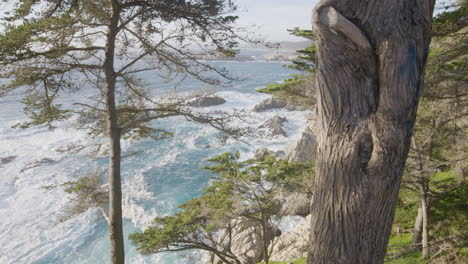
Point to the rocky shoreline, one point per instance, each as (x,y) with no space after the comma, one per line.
(285,244)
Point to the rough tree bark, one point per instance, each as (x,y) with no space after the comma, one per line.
(425,225)
(371,58)
(117,253)
(417,231)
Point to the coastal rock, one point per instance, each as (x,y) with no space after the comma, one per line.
(37,163)
(273,127)
(294,107)
(261,153)
(268,104)
(294,203)
(246,241)
(275,103)
(6,160)
(303,150)
(292,245)
(207,101)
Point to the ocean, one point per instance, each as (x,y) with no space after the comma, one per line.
(159,176)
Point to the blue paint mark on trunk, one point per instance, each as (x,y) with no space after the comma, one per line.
(410,70)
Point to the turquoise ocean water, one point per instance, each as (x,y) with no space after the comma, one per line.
(161,176)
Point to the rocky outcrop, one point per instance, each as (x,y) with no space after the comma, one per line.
(246,241)
(275,103)
(294,203)
(207,101)
(273,127)
(261,153)
(292,245)
(303,149)
(294,107)
(270,103)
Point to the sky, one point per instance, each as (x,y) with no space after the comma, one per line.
(274,17)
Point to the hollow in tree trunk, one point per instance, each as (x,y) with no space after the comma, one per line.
(371,58)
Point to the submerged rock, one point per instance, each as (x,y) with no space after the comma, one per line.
(304,149)
(273,127)
(275,103)
(37,163)
(6,160)
(207,101)
(268,104)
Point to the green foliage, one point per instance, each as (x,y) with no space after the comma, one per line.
(286,84)
(57,47)
(83,184)
(407,209)
(242,190)
(410,258)
(228,53)
(464,251)
(307,61)
(305,33)
(398,253)
(450,22)
(88,192)
(448,211)
(403,239)
(40,110)
(299,89)
(437,162)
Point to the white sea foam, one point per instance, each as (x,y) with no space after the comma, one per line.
(154,183)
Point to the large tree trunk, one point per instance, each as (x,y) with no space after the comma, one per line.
(117,253)
(371,58)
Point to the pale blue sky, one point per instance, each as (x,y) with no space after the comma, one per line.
(276,16)
(273,17)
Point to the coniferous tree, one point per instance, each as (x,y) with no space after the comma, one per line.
(244,193)
(55,46)
(437,160)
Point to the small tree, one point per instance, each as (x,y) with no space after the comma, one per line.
(88,192)
(58,46)
(438,145)
(245,191)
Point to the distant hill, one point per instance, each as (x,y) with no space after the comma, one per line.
(289,46)
(294,45)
